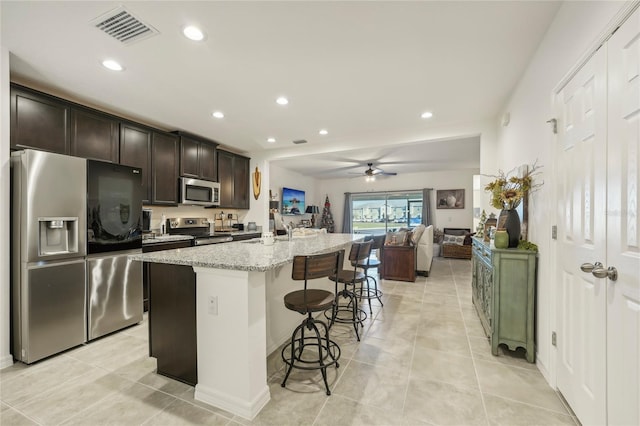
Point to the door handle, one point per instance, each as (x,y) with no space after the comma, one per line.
(588,267)
(610,272)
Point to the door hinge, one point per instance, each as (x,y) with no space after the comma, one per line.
(554,232)
(554,338)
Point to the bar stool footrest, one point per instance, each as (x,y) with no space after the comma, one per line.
(360,316)
(368,293)
(331,354)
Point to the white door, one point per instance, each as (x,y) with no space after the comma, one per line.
(623,232)
(581,187)
(599,189)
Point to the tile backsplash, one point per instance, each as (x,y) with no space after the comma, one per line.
(193,211)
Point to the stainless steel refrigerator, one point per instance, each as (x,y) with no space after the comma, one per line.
(48,253)
(114,230)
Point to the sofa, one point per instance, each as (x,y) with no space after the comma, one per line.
(424,249)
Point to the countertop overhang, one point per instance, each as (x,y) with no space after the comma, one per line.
(250,255)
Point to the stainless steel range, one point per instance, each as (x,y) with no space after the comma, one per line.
(199,228)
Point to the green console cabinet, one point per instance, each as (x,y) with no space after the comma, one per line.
(504,291)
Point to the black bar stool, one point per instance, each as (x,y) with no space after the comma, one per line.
(354,315)
(373,261)
(308,301)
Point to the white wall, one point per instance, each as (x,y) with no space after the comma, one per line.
(279,177)
(528,137)
(5,355)
(449,218)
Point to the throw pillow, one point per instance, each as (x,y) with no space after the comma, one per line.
(395,238)
(408,239)
(453,239)
(467,239)
(457,232)
(417,234)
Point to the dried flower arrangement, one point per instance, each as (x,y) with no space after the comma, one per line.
(508,190)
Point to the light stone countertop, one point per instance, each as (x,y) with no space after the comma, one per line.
(250,255)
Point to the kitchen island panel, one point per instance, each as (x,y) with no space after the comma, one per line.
(232,356)
(172,322)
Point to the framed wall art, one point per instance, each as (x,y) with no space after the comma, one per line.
(450,198)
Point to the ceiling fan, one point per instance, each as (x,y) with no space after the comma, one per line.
(371,172)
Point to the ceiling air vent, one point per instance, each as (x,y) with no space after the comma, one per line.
(123,26)
(299,141)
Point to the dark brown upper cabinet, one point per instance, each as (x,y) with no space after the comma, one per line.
(233,175)
(164,163)
(135,150)
(197,158)
(94,135)
(38,121)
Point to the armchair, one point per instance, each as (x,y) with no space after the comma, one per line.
(457,243)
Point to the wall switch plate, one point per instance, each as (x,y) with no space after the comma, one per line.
(212,305)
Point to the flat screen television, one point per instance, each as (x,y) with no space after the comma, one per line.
(292,201)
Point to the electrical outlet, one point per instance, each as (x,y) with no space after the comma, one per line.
(212,306)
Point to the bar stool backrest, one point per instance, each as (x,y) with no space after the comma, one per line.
(378,242)
(360,251)
(316,266)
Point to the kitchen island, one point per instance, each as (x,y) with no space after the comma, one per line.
(240,316)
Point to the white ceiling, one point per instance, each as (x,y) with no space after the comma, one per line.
(364,71)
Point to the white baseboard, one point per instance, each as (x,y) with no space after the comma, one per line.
(247,410)
(6,361)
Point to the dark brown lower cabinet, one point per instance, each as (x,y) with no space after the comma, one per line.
(399,263)
(172,321)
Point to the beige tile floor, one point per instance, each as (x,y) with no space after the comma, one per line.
(423,360)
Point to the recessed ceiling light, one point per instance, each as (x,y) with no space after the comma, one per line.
(282,100)
(112,65)
(323,132)
(218,114)
(193,33)
(427,114)
(271,140)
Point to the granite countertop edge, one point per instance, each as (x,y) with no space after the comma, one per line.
(248,256)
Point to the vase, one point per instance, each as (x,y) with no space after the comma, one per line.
(510,221)
(501,239)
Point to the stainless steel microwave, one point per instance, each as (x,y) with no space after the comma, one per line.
(199,192)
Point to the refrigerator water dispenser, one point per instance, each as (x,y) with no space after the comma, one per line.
(57,235)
